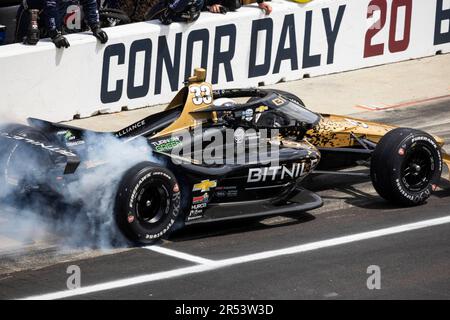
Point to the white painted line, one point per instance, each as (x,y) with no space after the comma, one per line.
(242,259)
(336,241)
(180,255)
(123,283)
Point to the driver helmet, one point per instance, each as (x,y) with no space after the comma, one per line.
(224,102)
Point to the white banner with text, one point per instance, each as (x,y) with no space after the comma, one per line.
(145,63)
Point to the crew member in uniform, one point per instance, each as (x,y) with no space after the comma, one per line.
(48,11)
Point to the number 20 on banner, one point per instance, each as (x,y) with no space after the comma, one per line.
(371,49)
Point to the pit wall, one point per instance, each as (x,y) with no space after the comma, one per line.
(145,64)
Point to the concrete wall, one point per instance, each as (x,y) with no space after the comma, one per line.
(145,63)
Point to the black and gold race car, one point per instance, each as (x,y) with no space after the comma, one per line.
(219,154)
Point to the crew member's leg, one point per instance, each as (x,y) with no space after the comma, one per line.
(23,17)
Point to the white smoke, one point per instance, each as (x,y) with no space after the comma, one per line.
(6,116)
(87,217)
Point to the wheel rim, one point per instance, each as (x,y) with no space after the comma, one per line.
(152,203)
(417,169)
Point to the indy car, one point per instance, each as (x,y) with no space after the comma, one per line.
(178,186)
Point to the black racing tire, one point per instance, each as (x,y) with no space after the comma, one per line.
(147,203)
(22,167)
(405,166)
(287,95)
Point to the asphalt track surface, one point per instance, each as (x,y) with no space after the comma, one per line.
(321,254)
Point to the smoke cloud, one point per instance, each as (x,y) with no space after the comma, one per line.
(86,217)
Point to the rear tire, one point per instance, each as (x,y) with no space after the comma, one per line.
(147,203)
(405,166)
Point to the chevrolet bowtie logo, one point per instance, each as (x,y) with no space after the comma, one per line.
(261,109)
(205,185)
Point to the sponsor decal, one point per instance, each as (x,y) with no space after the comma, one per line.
(247,115)
(278,101)
(198,206)
(131,128)
(221,194)
(70,139)
(261,109)
(194,216)
(166,144)
(205,185)
(357,123)
(196,211)
(279,172)
(74,143)
(226,188)
(200,199)
(67,134)
(226,193)
(51,148)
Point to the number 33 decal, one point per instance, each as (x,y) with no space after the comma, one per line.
(202,94)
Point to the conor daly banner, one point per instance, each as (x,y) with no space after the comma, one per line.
(146,63)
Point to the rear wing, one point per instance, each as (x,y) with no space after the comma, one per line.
(58,153)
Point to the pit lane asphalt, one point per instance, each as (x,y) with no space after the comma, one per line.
(414,264)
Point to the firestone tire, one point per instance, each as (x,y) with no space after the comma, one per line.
(147,203)
(405,166)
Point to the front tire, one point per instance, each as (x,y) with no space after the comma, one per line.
(405,166)
(147,203)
